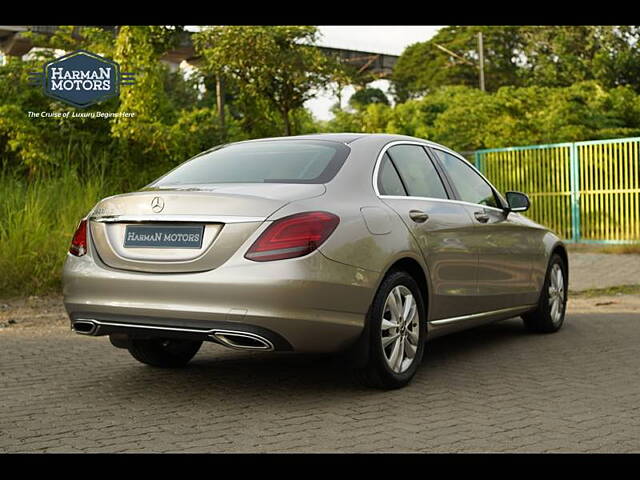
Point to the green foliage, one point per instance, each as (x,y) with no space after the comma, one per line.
(465,118)
(366,96)
(561,56)
(38,218)
(145,135)
(423,67)
(69,38)
(273,63)
(551,56)
(40,145)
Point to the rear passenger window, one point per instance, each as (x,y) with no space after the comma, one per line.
(417,173)
(388,180)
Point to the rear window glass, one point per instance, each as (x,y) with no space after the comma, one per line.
(281,161)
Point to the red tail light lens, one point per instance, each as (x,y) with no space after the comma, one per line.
(79,241)
(293,236)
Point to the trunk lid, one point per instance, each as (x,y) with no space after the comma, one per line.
(221,217)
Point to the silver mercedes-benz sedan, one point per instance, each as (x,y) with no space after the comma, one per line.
(359,243)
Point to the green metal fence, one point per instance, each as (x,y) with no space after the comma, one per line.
(585,191)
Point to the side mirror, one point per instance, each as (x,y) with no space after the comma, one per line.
(518,202)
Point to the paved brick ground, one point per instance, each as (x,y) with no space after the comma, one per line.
(495,388)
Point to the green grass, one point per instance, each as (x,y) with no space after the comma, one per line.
(37,221)
(631,248)
(608,291)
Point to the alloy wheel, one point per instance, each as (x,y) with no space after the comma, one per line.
(400,329)
(556,294)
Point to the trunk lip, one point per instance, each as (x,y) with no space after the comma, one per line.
(142,218)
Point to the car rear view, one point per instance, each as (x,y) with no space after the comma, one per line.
(203,254)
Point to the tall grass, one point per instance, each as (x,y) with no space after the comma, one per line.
(38,218)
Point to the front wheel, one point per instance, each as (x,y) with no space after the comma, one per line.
(163,352)
(397,330)
(548,317)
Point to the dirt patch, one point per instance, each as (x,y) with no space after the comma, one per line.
(605,304)
(27,312)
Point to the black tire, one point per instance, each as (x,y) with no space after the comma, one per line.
(163,352)
(377,373)
(541,320)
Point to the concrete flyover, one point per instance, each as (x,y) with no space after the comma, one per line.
(14,42)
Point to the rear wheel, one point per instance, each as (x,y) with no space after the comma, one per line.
(163,352)
(548,317)
(397,329)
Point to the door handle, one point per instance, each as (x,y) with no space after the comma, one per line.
(482,217)
(418,216)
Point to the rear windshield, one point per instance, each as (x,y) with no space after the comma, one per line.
(279,161)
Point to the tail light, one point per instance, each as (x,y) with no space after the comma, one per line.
(293,236)
(79,241)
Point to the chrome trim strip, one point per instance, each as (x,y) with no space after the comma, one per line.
(443,200)
(177,218)
(100,323)
(213,333)
(473,316)
(407,197)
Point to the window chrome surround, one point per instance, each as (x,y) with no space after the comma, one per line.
(409,197)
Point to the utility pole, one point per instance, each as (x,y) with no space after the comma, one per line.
(220,99)
(481,59)
(468,62)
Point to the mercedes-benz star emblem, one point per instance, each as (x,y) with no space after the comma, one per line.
(157,204)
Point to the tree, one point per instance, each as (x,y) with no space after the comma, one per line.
(424,67)
(550,56)
(366,96)
(559,56)
(274,63)
(146,134)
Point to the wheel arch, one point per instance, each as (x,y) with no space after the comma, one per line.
(561,250)
(415,268)
(358,354)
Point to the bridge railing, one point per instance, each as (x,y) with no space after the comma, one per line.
(587,192)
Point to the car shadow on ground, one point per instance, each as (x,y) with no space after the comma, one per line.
(218,368)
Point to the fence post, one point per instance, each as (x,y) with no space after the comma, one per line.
(575,192)
(478,161)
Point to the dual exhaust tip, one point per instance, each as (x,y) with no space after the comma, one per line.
(228,338)
(85,327)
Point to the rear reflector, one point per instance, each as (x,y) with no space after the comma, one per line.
(293,236)
(79,241)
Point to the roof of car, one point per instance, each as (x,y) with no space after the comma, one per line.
(345,137)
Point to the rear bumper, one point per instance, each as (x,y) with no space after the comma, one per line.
(232,335)
(308,304)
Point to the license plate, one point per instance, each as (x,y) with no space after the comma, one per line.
(161,236)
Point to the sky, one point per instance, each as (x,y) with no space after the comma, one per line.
(387,39)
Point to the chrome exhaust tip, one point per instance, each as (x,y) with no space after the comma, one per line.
(241,340)
(84,326)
